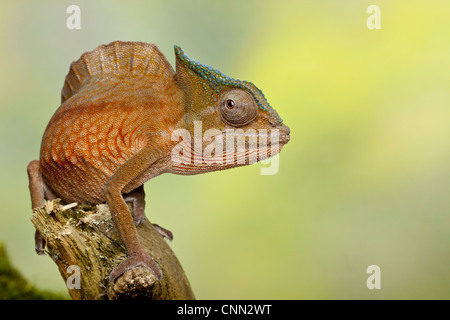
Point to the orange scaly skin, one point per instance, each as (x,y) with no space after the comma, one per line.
(92,134)
(120,105)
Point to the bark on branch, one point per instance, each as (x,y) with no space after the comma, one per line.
(85,236)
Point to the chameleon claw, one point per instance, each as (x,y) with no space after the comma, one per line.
(39,243)
(166,234)
(133,260)
(138,219)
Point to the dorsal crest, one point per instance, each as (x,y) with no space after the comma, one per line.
(119,59)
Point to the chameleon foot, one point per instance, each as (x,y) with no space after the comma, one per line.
(133,260)
(39,243)
(138,218)
(167,234)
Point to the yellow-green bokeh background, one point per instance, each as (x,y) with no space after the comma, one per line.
(365,179)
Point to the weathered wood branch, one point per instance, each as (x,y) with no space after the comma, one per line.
(85,236)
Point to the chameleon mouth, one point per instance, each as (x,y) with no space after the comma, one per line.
(285,134)
(272,136)
(285,138)
(263,143)
(229,148)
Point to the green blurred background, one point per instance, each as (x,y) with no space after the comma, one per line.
(365,179)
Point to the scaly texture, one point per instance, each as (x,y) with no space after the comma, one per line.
(218,81)
(120,107)
(114,99)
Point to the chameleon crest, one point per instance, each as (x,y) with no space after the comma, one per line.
(217,81)
(207,88)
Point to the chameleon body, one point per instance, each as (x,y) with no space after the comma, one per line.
(113,131)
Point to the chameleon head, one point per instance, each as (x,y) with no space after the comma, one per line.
(227,106)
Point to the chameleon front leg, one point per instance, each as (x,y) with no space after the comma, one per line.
(122,217)
(39,192)
(137,197)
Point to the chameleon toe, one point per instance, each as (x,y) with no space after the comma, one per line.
(39,243)
(167,234)
(135,260)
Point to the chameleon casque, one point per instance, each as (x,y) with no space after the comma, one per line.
(120,105)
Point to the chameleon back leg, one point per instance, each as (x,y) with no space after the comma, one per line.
(39,192)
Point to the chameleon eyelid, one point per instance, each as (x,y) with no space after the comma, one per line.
(242,112)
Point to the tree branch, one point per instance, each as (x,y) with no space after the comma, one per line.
(85,237)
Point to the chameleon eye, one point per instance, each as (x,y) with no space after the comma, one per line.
(237,107)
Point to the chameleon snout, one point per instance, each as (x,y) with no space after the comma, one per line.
(285,132)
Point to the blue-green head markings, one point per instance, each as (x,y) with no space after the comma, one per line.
(217,81)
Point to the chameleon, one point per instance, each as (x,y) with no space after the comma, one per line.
(114,130)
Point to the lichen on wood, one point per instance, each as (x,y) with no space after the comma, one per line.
(85,236)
